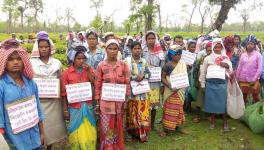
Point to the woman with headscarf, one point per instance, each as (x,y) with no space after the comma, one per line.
(127,47)
(154,56)
(249,69)
(81,39)
(196,75)
(215,86)
(173,114)
(82,125)
(17,89)
(237,51)
(138,104)
(35,51)
(47,67)
(229,44)
(111,71)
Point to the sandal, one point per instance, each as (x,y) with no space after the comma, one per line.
(212,126)
(183,131)
(161,133)
(226,128)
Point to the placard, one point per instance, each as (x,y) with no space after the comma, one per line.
(113,92)
(48,88)
(23,114)
(215,71)
(140,87)
(155,74)
(79,92)
(179,80)
(188,57)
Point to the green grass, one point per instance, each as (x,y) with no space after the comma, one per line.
(200,137)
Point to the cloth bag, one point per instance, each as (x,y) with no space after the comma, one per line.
(235,102)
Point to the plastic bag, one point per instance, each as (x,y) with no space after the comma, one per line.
(248,111)
(235,101)
(3,144)
(256,119)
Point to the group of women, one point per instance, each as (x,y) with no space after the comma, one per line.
(145,62)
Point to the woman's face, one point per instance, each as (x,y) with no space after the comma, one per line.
(208,50)
(236,40)
(250,46)
(81,37)
(92,40)
(218,48)
(44,49)
(14,63)
(112,51)
(136,50)
(176,58)
(79,60)
(130,41)
(151,39)
(192,47)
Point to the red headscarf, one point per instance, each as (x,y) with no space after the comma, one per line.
(10,46)
(229,44)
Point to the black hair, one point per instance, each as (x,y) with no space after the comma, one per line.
(135,43)
(149,33)
(43,40)
(238,36)
(91,33)
(190,43)
(178,37)
(79,49)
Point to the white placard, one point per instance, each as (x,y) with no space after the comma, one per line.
(215,71)
(140,87)
(179,80)
(155,74)
(113,92)
(188,57)
(79,92)
(23,114)
(48,88)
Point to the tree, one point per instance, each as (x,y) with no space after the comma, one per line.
(97,4)
(97,22)
(69,17)
(159,12)
(10,6)
(23,6)
(245,16)
(37,6)
(203,13)
(226,5)
(184,9)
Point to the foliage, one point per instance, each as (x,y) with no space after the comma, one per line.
(97,22)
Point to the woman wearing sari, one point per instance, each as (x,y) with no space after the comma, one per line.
(81,128)
(173,114)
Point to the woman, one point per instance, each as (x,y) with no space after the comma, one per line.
(138,105)
(249,70)
(112,71)
(47,67)
(237,51)
(95,54)
(82,126)
(196,74)
(154,56)
(229,44)
(173,114)
(127,49)
(17,87)
(215,87)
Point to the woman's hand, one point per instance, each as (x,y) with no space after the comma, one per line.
(225,65)
(66,115)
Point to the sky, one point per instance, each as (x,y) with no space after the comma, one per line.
(172,8)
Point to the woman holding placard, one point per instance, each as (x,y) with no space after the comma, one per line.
(215,69)
(77,97)
(249,69)
(155,58)
(138,104)
(46,68)
(173,114)
(111,89)
(20,110)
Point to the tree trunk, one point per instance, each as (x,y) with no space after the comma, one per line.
(190,20)
(202,25)
(9,21)
(148,17)
(160,27)
(226,5)
(244,25)
(22,21)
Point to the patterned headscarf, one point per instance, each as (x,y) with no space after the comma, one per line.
(73,51)
(174,50)
(42,35)
(157,50)
(250,38)
(10,46)
(223,56)
(229,44)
